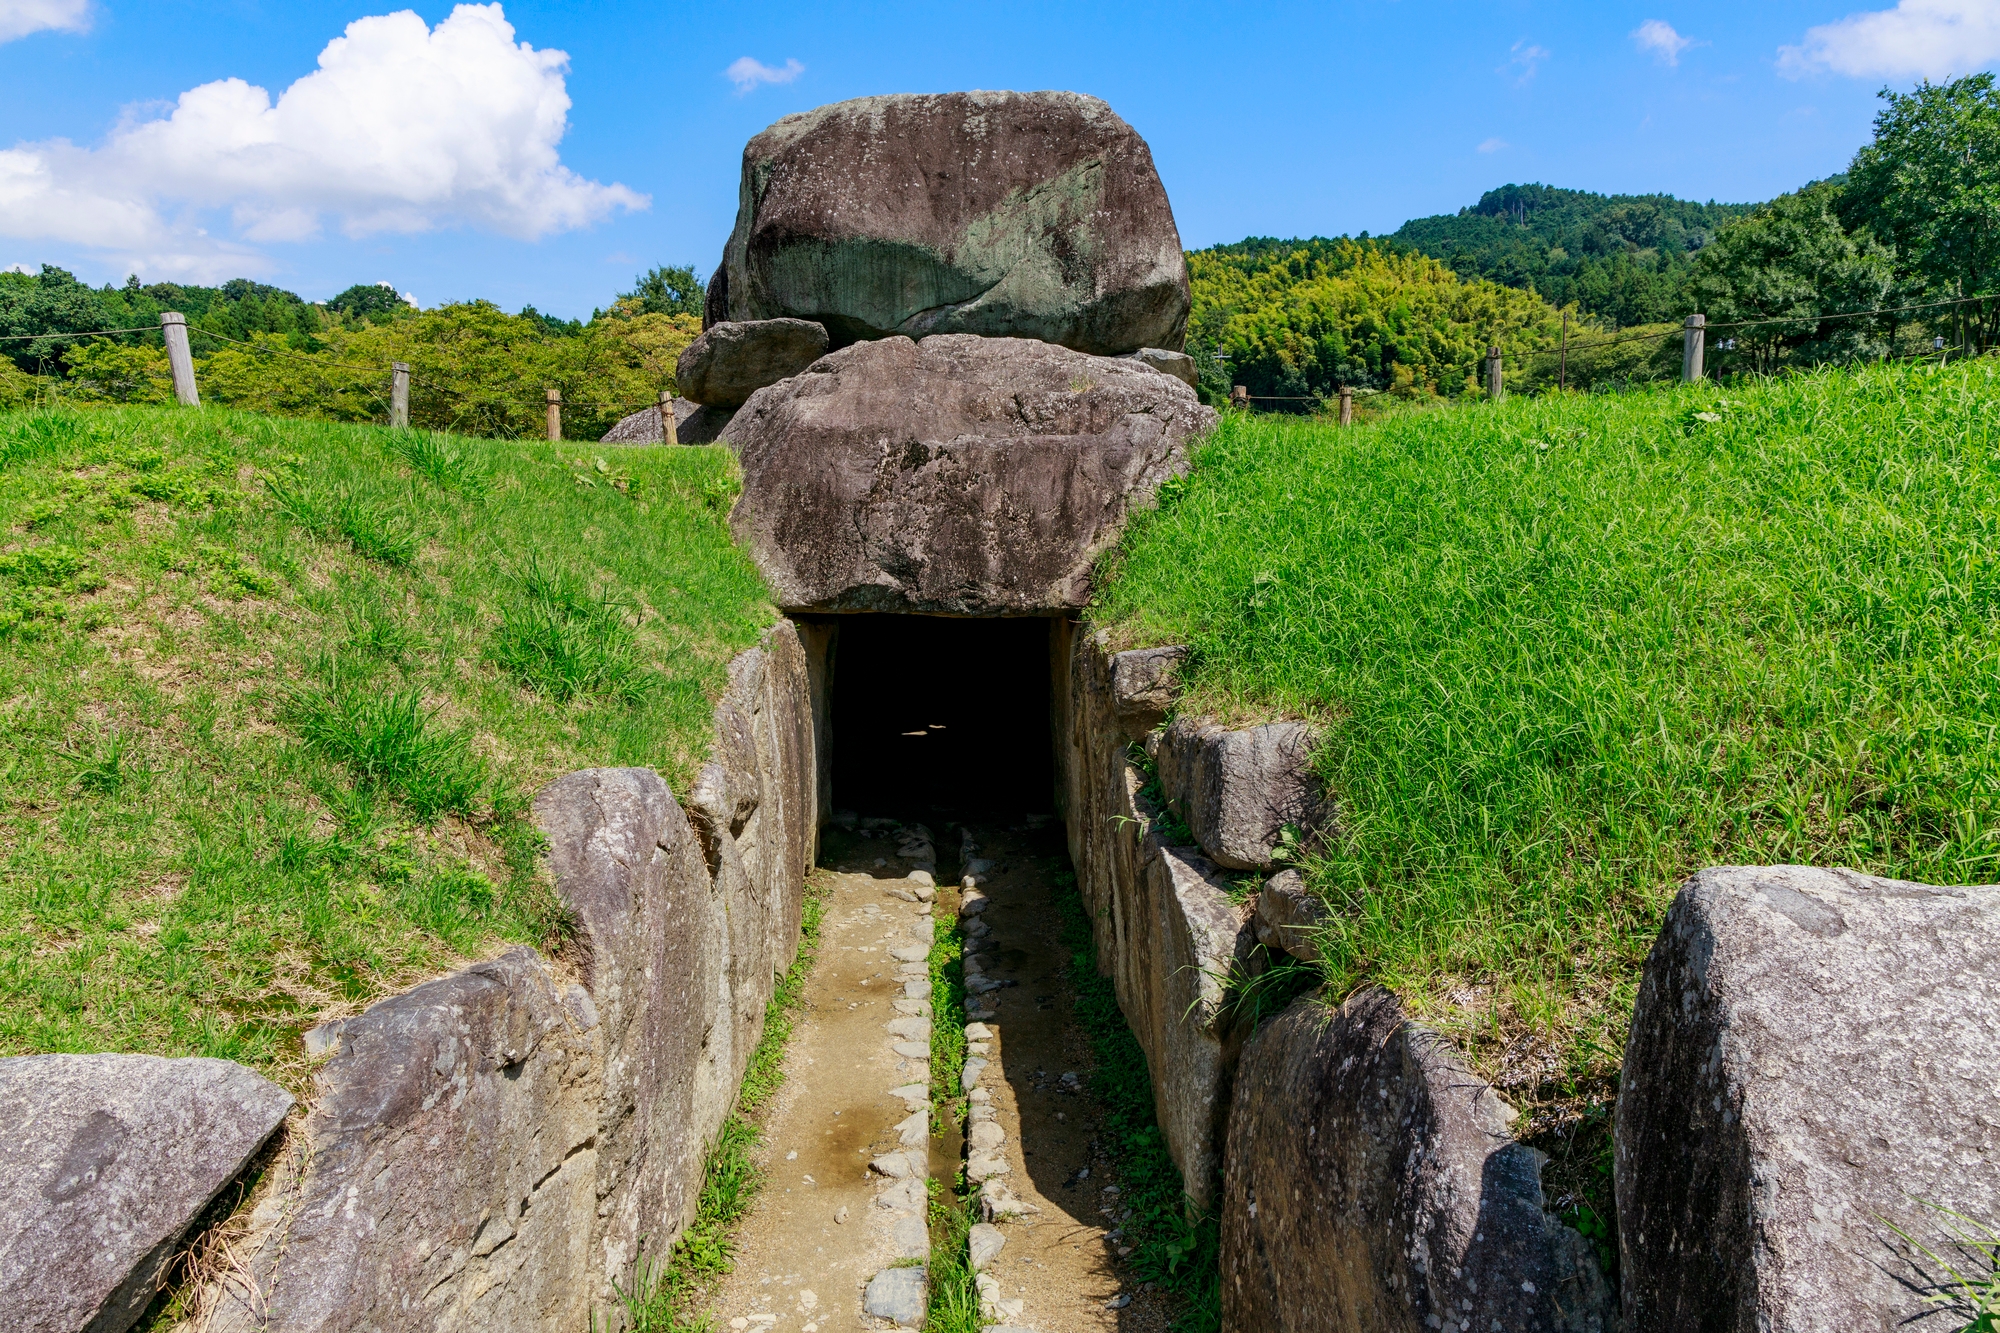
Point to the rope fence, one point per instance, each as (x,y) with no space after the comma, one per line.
(176,331)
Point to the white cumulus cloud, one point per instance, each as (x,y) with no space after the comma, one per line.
(1493,145)
(402,128)
(18,18)
(746,73)
(1659,37)
(1929,39)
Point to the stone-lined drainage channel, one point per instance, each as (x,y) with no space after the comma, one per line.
(840,1223)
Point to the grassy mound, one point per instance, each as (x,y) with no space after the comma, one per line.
(1570,649)
(277,694)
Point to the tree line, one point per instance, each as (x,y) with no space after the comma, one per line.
(1911,230)
(474,368)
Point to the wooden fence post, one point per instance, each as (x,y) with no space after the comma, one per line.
(173,326)
(1562,357)
(1496,386)
(1346,405)
(555,414)
(1239,396)
(669,428)
(1693,345)
(399,395)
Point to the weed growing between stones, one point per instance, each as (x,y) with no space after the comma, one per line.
(668,1294)
(1172,1247)
(1960,1270)
(954,1299)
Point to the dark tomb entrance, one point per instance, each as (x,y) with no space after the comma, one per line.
(942,717)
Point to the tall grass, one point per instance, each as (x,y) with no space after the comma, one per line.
(1569,649)
(390,742)
(562,639)
(261,761)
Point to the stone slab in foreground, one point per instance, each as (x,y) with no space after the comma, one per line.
(105,1161)
(1813,1052)
(959,475)
(1373,1185)
(1003,214)
(451,1176)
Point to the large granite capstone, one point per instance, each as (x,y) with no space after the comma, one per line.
(959,475)
(105,1161)
(1811,1066)
(1034,215)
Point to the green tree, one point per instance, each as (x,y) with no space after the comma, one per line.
(667,291)
(1295,325)
(1624,258)
(1930,185)
(1782,271)
(372,301)
(51,302)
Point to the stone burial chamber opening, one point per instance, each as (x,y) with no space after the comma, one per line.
(942,716)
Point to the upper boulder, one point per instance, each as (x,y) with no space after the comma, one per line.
(1032,215)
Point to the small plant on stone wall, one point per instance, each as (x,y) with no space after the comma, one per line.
(1961,1277)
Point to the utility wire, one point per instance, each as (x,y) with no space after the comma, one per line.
(93,333)
(1754,323)
(312,357)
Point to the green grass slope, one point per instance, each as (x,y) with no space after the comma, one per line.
(1572,648)
(277,694)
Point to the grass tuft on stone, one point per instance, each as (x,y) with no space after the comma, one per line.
(1570,649)
(270,741)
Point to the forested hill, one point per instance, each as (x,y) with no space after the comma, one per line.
(1620,257)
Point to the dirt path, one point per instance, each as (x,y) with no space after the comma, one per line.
(820,1232)
(1060,1260)
(834,1212)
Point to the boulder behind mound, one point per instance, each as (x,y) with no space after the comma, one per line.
(959,475)
(1811,1064)
(693,424)
(1035,215)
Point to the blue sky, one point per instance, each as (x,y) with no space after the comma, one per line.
(435,153)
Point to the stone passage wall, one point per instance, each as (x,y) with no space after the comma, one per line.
(1166,931)
(1366,1178)
(1373,1183)
(494,1150)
